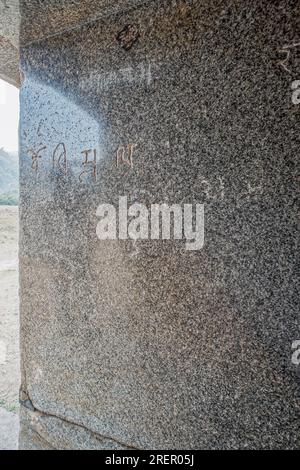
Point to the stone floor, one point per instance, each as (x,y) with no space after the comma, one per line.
(9,328)
(9,309)
(9,430)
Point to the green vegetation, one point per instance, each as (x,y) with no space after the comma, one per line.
(12,408)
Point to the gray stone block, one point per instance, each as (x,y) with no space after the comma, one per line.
(146,343)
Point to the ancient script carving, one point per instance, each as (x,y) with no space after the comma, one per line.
(90,166)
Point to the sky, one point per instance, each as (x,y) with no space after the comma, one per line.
(9,116)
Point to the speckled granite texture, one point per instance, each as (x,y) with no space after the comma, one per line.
(147,345)
(54,16)
(9,41)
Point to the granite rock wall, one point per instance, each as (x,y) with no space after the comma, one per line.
(9,41)
(142,343)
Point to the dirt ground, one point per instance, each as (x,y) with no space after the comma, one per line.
(9,310)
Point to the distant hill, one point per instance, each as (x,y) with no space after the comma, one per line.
(9,178)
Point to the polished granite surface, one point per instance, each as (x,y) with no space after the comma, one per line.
(9,41)
(52,17)
(145,344)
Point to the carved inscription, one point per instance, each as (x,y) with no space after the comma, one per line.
(142,74)
(35,157)
(125,155)
(210,190)
(59,157)
(128,36)
(287,65)
(90,166)
(288,51)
